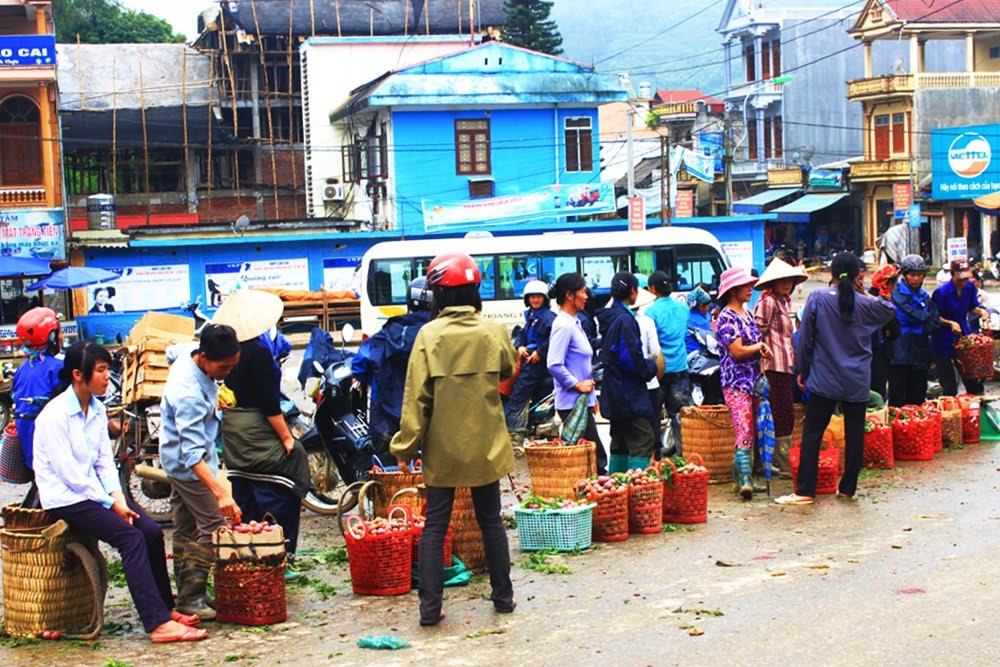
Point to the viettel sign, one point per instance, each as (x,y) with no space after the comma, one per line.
(962,161)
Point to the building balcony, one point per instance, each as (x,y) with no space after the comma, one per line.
(752,170)
(760,89)
(31,196)
(906,84)
(892,169)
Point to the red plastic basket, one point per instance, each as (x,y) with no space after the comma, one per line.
(974,356)
(826,476)
(912,438)
(970,418)
(251,593)
(380,564)
(933,412)
(878,452)
(645,508)
(687,501)
(610,522)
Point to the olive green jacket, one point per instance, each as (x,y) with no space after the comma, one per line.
(451,403)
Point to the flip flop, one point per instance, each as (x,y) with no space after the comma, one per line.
(794,499)
(185,619)
(426,622)
(844,496)
(187,635)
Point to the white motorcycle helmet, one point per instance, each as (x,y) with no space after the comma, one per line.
(536,287)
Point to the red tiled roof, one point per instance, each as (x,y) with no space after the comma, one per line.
(945,11)
(675,96)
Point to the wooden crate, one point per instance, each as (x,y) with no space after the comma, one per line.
(146,367)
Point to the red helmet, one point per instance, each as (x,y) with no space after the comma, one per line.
(453,269)
(37,327)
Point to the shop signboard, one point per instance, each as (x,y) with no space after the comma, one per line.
(685,204)
(636,214)
(33,233)
(141,288)
(740,253)
(27,50)
(552,201)
(902,197)
(826,178)
(958,248)
(965,162)
(223,279)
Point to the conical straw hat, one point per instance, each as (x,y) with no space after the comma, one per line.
(777,270)
(249,312)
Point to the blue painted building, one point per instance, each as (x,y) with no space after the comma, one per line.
(493,137)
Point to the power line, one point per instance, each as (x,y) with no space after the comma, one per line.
(659,34)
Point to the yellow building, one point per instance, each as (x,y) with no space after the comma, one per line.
(924,89)
(31,198)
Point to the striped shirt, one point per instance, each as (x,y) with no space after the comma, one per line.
(775,324)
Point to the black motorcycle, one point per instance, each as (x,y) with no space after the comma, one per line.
(338,443)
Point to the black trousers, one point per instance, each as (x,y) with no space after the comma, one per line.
(486,500)
(632,436)
(818,413)
(880,373)
(946,376)
(907,385)
(592,435)
(140,545)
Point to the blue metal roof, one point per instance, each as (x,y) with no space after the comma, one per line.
(757,203)
(493,74)
(799,210)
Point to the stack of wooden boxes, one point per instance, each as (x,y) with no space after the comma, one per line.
(146,365)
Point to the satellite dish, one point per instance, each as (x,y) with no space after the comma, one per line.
(897,66)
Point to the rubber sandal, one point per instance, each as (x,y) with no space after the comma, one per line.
(844,496)
(428,622)
(185,619)
(794,499)
(187,635)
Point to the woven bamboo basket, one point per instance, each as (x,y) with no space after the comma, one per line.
(800,420)
(468,543)
(15,518)
(708,432)
(52,579)
(391,482)
(555,469)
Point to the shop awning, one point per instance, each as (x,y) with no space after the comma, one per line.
(799,210)
(757,203)
(23,266)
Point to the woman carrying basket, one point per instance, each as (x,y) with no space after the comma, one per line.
(78,483)
(452,414)
(955,300)
(834,356)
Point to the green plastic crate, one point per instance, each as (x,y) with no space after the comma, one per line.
(559,530)
(989,421)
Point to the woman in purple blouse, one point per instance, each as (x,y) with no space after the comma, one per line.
(570,357)
(740,350)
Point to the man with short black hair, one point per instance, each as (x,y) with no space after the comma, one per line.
(671,319)
(189,429)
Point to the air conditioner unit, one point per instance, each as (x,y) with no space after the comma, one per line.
(333,193)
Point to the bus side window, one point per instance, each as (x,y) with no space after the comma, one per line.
(696,265)
(598,270)
(554,266)
(648,260)
(391,278)
(488,288)
(516,271)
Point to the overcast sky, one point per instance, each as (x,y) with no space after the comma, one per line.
(182,14)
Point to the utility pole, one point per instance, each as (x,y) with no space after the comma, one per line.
(630,151)
(727,161)
(664,184)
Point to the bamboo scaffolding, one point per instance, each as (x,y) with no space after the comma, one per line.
(145,141)
(114,126)
(228,65)
(267,102)
(184,120)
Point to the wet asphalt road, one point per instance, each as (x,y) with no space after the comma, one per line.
(905,575)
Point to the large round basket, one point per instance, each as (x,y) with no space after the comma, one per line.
(52,580)
(708,432)
(468,543)
(555,468)
(391,480)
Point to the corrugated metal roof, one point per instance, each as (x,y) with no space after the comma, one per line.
(799,210)
(945,11)
(756,203)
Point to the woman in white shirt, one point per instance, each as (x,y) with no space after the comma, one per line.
(651,350)
(78,482)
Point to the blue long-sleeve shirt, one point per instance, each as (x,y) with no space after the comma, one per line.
(190,422)
(570,360)
(955,307)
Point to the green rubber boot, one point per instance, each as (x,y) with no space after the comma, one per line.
(640,462)
(743,468)
(617,463)
(192,585)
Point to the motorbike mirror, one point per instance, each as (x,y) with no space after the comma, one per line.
(347,333)
(318,367)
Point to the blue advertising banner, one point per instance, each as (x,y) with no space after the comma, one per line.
(33,233)
(965,161)
(712,144)
(548,202)
(27,50)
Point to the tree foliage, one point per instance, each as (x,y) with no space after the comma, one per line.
(528,25)
(107,22)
